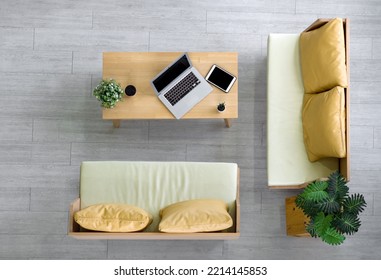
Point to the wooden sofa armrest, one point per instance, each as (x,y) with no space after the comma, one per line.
(237,207)
(294,187)
(344,163)
(74,207)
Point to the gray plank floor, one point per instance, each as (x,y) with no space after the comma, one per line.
(50,59)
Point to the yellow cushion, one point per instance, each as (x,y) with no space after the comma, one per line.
(199,215)
(323,120)
(322,57)
(113,218)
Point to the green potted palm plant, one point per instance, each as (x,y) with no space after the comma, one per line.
(108,92)
(331,210)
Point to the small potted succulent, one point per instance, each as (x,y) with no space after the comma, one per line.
(331,211)
(221,107)
(108,92)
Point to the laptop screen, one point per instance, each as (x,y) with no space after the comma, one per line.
(171,73)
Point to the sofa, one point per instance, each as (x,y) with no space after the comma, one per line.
(153,186)
(289,160)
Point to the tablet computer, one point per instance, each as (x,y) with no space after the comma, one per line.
(220,78)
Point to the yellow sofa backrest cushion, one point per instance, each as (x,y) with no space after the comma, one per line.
(323,120)
(199,215)
(322,57)
(112,217)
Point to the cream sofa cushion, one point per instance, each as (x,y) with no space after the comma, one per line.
(287,161)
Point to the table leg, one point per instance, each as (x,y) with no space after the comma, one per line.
(116,123)
(227,122)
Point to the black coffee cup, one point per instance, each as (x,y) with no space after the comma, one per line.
(130,90)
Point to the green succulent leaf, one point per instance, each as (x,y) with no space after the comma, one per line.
(354,204)
(347,223)
(300,201)
(322,227)
(311,197)
(332,236)
(315,191)
(309,207)
(329,205)
(310,228)
(322,223)
(337,186)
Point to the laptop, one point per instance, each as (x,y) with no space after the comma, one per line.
(180,86)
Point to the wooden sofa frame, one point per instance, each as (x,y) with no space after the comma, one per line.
(344,163)
(74,230)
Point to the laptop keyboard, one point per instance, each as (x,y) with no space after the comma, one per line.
(182,88)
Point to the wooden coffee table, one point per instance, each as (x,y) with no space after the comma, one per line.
(139,68)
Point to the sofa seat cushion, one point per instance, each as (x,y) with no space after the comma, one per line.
(197,215)
(322,56)
(287,159)
(324,124)
(113,218)
(155,185)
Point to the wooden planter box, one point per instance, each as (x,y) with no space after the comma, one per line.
(295,219)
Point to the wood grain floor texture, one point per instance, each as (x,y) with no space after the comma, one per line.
(50,59)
